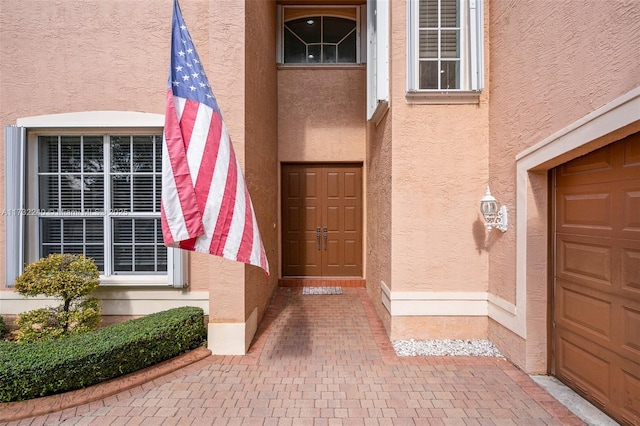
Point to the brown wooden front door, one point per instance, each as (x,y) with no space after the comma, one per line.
(597,278)
(322,220)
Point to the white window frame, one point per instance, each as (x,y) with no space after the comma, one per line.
(20,149)
(361,49)
(377,59)
(471,57)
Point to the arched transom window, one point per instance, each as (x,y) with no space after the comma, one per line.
(320,36)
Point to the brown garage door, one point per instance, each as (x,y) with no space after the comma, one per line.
(597,278)
(321,220)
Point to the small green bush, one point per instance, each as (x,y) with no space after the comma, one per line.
(3,328)
(43,368)
(46,323)
(69,277)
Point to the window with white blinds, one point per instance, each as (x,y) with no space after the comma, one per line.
(100,196)
(445,45)
(439,44)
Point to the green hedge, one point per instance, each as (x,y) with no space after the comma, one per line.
(38,369)
(3,327)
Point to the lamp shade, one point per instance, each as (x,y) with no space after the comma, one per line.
(488,204)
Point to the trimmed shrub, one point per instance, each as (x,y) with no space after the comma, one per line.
(47,323)
(71,278)
(43,368)
(3,327)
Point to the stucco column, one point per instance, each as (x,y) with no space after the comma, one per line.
(230,331)
(230,328)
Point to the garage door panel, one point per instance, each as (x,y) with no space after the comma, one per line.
(630,275)
(630,334)
(585,259)
(588,208)
(631,210)
(631,151)
(585,366)
(584,313)
(630,395)
(615,162)
(593,166)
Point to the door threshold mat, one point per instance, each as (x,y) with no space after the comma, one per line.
(321,290)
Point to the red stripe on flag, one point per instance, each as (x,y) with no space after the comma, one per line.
(227,207)
(189,244)
(180,170)
(187,121)
(246,244)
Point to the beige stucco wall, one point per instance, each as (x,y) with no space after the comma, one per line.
(69,57)
(113,55)
(552,63)
(438,175)
(59,57)
(321,114)
(261,147)
(378,249)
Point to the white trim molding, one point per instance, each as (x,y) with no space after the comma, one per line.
(93,119)
(429,303)
(114,302)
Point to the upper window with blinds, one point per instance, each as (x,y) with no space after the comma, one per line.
(100,196)
(319,35)
(445,45)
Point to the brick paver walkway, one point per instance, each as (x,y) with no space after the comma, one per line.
(326,360)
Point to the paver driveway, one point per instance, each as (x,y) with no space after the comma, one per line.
(326,360)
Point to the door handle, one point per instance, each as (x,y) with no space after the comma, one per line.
(318,238)
(325,237)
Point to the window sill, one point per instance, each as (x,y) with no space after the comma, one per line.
(457,97)
(134,280)
(381,110)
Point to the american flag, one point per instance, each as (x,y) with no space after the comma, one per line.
(205,203)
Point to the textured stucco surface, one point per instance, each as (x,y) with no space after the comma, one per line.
(321,114)
(113,55)
(68,56)
(552,63)
(439,327)
(378,248)
(261,146)
(439,174)
(570,58)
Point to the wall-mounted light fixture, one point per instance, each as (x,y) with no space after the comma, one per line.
(494,216)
